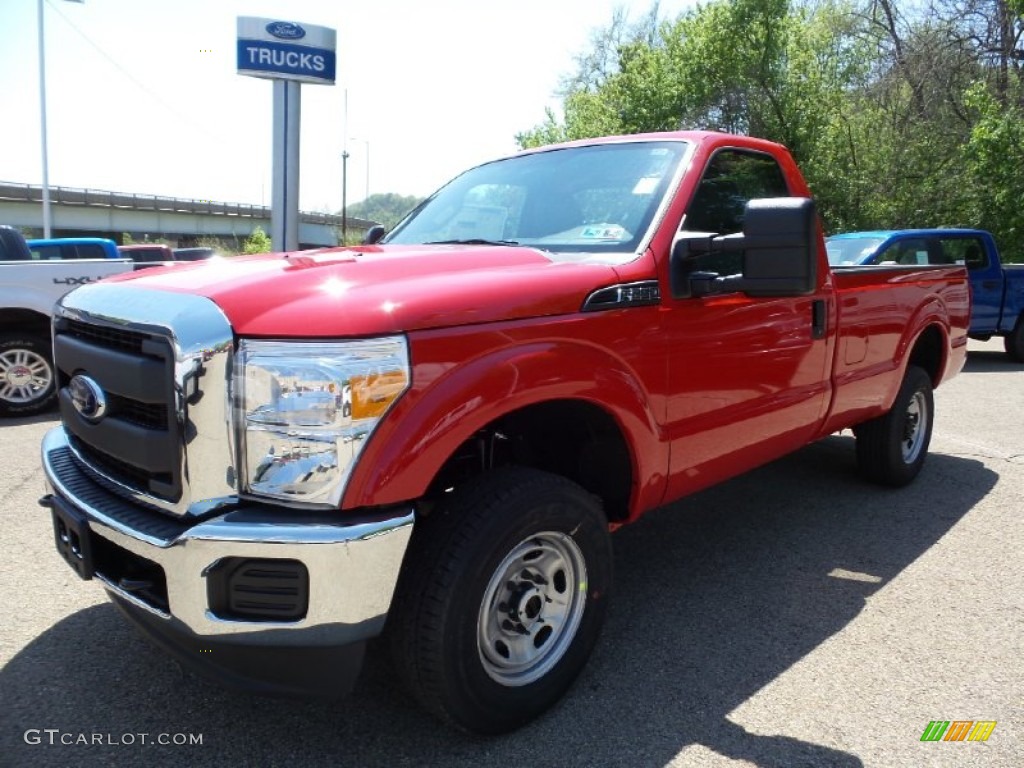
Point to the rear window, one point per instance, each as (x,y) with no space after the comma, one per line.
(146,254)
(964,250)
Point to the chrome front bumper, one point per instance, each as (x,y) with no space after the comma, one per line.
(352,561)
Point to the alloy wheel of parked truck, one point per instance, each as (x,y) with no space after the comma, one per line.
(429,439)
(27,384)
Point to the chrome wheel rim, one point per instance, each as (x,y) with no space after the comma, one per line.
(532,608)
(915,427)
(24,376)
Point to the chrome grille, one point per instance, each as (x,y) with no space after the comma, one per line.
(162,361)
(106,336)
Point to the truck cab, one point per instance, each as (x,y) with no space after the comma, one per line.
(61,248)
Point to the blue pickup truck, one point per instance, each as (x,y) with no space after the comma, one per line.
(997,290)
(74,248)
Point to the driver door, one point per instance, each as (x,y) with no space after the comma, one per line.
(748,377)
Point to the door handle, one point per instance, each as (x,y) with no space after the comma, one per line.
(819,320)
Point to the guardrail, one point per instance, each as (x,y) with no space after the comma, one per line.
(99,198)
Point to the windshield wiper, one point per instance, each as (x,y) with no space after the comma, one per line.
(473,241)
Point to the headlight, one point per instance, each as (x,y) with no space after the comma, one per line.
(304,410)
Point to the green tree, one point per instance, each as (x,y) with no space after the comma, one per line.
(900,114)
(257,242)
(387,208)
(994,159)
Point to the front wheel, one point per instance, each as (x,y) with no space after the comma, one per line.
(501,599)
(891,448)
(1014,341)
(27,382)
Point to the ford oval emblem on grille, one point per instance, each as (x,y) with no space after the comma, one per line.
(87,397)
(286,30)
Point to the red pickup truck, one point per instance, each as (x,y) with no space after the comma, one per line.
(270,461)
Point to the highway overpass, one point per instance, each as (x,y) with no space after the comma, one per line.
(179,221)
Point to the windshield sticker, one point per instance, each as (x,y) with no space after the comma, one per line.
(606,232)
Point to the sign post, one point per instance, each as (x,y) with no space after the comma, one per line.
(289,54)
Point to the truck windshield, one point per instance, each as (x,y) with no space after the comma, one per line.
(599,198)
(851,251)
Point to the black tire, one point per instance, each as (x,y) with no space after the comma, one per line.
(1013,342)
(27,381)
(891,449)
(494,573)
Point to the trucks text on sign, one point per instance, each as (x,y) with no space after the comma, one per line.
(286,50)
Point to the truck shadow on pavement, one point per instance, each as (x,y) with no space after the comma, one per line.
(715,598)
(990,361)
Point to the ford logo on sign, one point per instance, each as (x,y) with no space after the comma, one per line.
(87,398)
(286,30)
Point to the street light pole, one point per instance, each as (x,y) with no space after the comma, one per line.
(42,118)
(42,124)
(344,197)
(367,169)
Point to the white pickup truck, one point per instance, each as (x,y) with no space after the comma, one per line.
(28,290)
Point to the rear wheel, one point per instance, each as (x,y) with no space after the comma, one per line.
(891,449)
(27,383)
(501,599)
(1014,341)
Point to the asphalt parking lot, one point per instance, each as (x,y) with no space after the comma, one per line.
(795,616)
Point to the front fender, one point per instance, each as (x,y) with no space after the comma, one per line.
(450,400)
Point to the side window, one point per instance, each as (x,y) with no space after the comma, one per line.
(964,250)
(911,251)
(46,252)
(732,177)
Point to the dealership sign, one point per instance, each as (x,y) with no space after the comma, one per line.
(285,50)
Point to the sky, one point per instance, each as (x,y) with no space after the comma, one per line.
(143,95)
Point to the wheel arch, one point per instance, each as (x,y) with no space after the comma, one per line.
(929,352)
(926,343)
(594,411)
(27,320)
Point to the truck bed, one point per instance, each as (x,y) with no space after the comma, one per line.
(874,337)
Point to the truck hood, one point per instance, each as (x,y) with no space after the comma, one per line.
(371,290)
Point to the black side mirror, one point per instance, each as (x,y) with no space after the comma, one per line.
(778,246)
(374,234)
